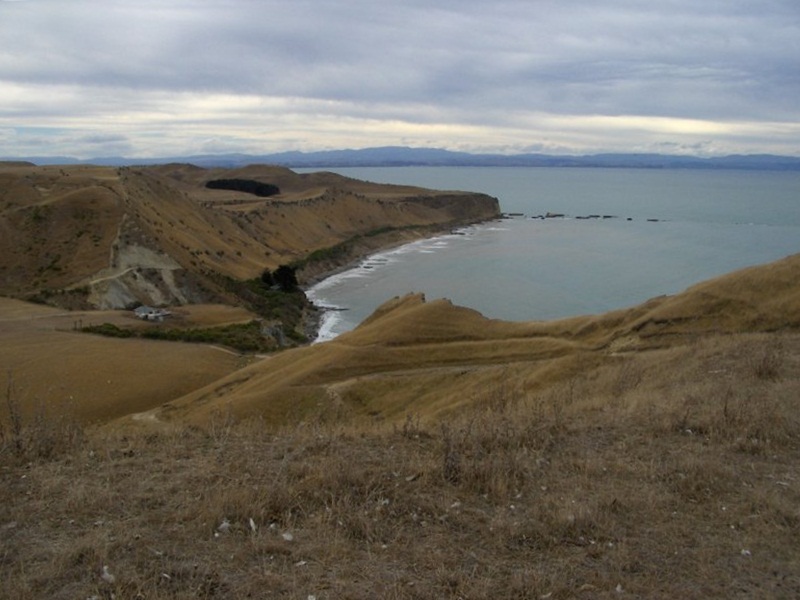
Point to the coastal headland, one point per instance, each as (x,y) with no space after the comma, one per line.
(103,237)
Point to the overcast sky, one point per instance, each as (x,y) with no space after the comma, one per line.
(158,78)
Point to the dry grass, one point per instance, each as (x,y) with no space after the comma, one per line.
(35,433)
(651,452)
(432,357)
(91,377)
(665,474)
(65,227)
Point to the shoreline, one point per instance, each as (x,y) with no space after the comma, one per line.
(353,261)
(394,239)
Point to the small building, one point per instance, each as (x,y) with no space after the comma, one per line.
(148,313)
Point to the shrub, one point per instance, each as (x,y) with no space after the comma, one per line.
(266,278)
(286,277)
(109,330)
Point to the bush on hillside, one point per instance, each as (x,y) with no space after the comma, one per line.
(286,277)
(267,279)
(109,330)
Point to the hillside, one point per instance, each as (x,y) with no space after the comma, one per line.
(411,357)
(102,237)
(429,358)
(430,453)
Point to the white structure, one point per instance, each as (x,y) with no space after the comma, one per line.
(148,313)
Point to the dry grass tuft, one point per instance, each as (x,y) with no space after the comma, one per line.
(38,434)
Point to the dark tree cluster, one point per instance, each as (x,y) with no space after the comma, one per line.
(247,186)
(284,277)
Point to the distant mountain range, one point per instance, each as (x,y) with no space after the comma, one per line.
(401,156)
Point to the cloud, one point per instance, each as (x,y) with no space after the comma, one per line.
(270,75)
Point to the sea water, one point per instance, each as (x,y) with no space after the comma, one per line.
(663,231)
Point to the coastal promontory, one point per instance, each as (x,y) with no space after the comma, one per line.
(104,238)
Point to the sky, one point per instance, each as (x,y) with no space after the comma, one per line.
(147,78)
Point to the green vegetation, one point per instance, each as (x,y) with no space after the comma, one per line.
(275,296)
(244,337)
(287,304)
(109,330)
(343,250)
(285,277)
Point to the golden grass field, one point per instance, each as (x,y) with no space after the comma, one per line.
(663,474)
(651,452)
(92,378)
(647,453)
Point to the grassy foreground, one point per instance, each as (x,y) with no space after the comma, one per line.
(673,473)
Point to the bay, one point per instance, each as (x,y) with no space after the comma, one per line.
(667,229)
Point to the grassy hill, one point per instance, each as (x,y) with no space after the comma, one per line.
(430,453)
(102,237)
(432,358)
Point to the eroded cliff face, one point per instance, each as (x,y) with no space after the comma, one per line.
(108,238)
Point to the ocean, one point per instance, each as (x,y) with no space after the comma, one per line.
(627,235)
